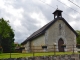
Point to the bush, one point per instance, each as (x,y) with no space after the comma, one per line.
(78,45)
(1,50)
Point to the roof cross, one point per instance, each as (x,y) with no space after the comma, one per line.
(57,7)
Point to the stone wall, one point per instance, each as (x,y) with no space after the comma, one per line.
(60,57)
(54,33)
(35,45)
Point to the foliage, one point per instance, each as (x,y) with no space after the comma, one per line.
(63,45)
(17,45)
(78,38)
(1,50)
(6,36)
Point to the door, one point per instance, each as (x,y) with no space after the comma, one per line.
(60,43)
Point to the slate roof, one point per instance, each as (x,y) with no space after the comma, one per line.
(44,28)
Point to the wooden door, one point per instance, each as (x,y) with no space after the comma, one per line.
(60,43)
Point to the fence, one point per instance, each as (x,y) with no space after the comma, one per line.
(61,57)
(50,48)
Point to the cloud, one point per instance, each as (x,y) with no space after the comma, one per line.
(27,16)
(39,17)
(8,12)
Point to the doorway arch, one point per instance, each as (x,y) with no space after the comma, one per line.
(60,43)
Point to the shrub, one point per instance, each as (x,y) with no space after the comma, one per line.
(1,50)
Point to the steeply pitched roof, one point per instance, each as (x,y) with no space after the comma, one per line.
(44,28)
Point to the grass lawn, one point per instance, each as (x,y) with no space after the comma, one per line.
(17,55)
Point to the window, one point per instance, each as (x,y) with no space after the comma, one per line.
(60,26)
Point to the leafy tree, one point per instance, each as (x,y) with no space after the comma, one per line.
(6,36)
(78,38)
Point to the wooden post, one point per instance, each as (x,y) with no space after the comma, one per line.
(54,50)
(73,48)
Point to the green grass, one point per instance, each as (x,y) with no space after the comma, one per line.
(17,55)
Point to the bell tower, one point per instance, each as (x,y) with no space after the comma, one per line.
(57,13)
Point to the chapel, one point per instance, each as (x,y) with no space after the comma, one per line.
(56,35)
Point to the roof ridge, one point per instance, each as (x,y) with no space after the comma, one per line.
(45,27)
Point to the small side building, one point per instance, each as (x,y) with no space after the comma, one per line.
(58,32)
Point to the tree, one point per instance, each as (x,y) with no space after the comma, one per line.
(6,36)
(78,38)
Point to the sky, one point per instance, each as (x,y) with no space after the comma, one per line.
(27,16)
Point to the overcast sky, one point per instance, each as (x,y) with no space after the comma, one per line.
(27,16)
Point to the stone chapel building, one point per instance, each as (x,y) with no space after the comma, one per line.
(58,32)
